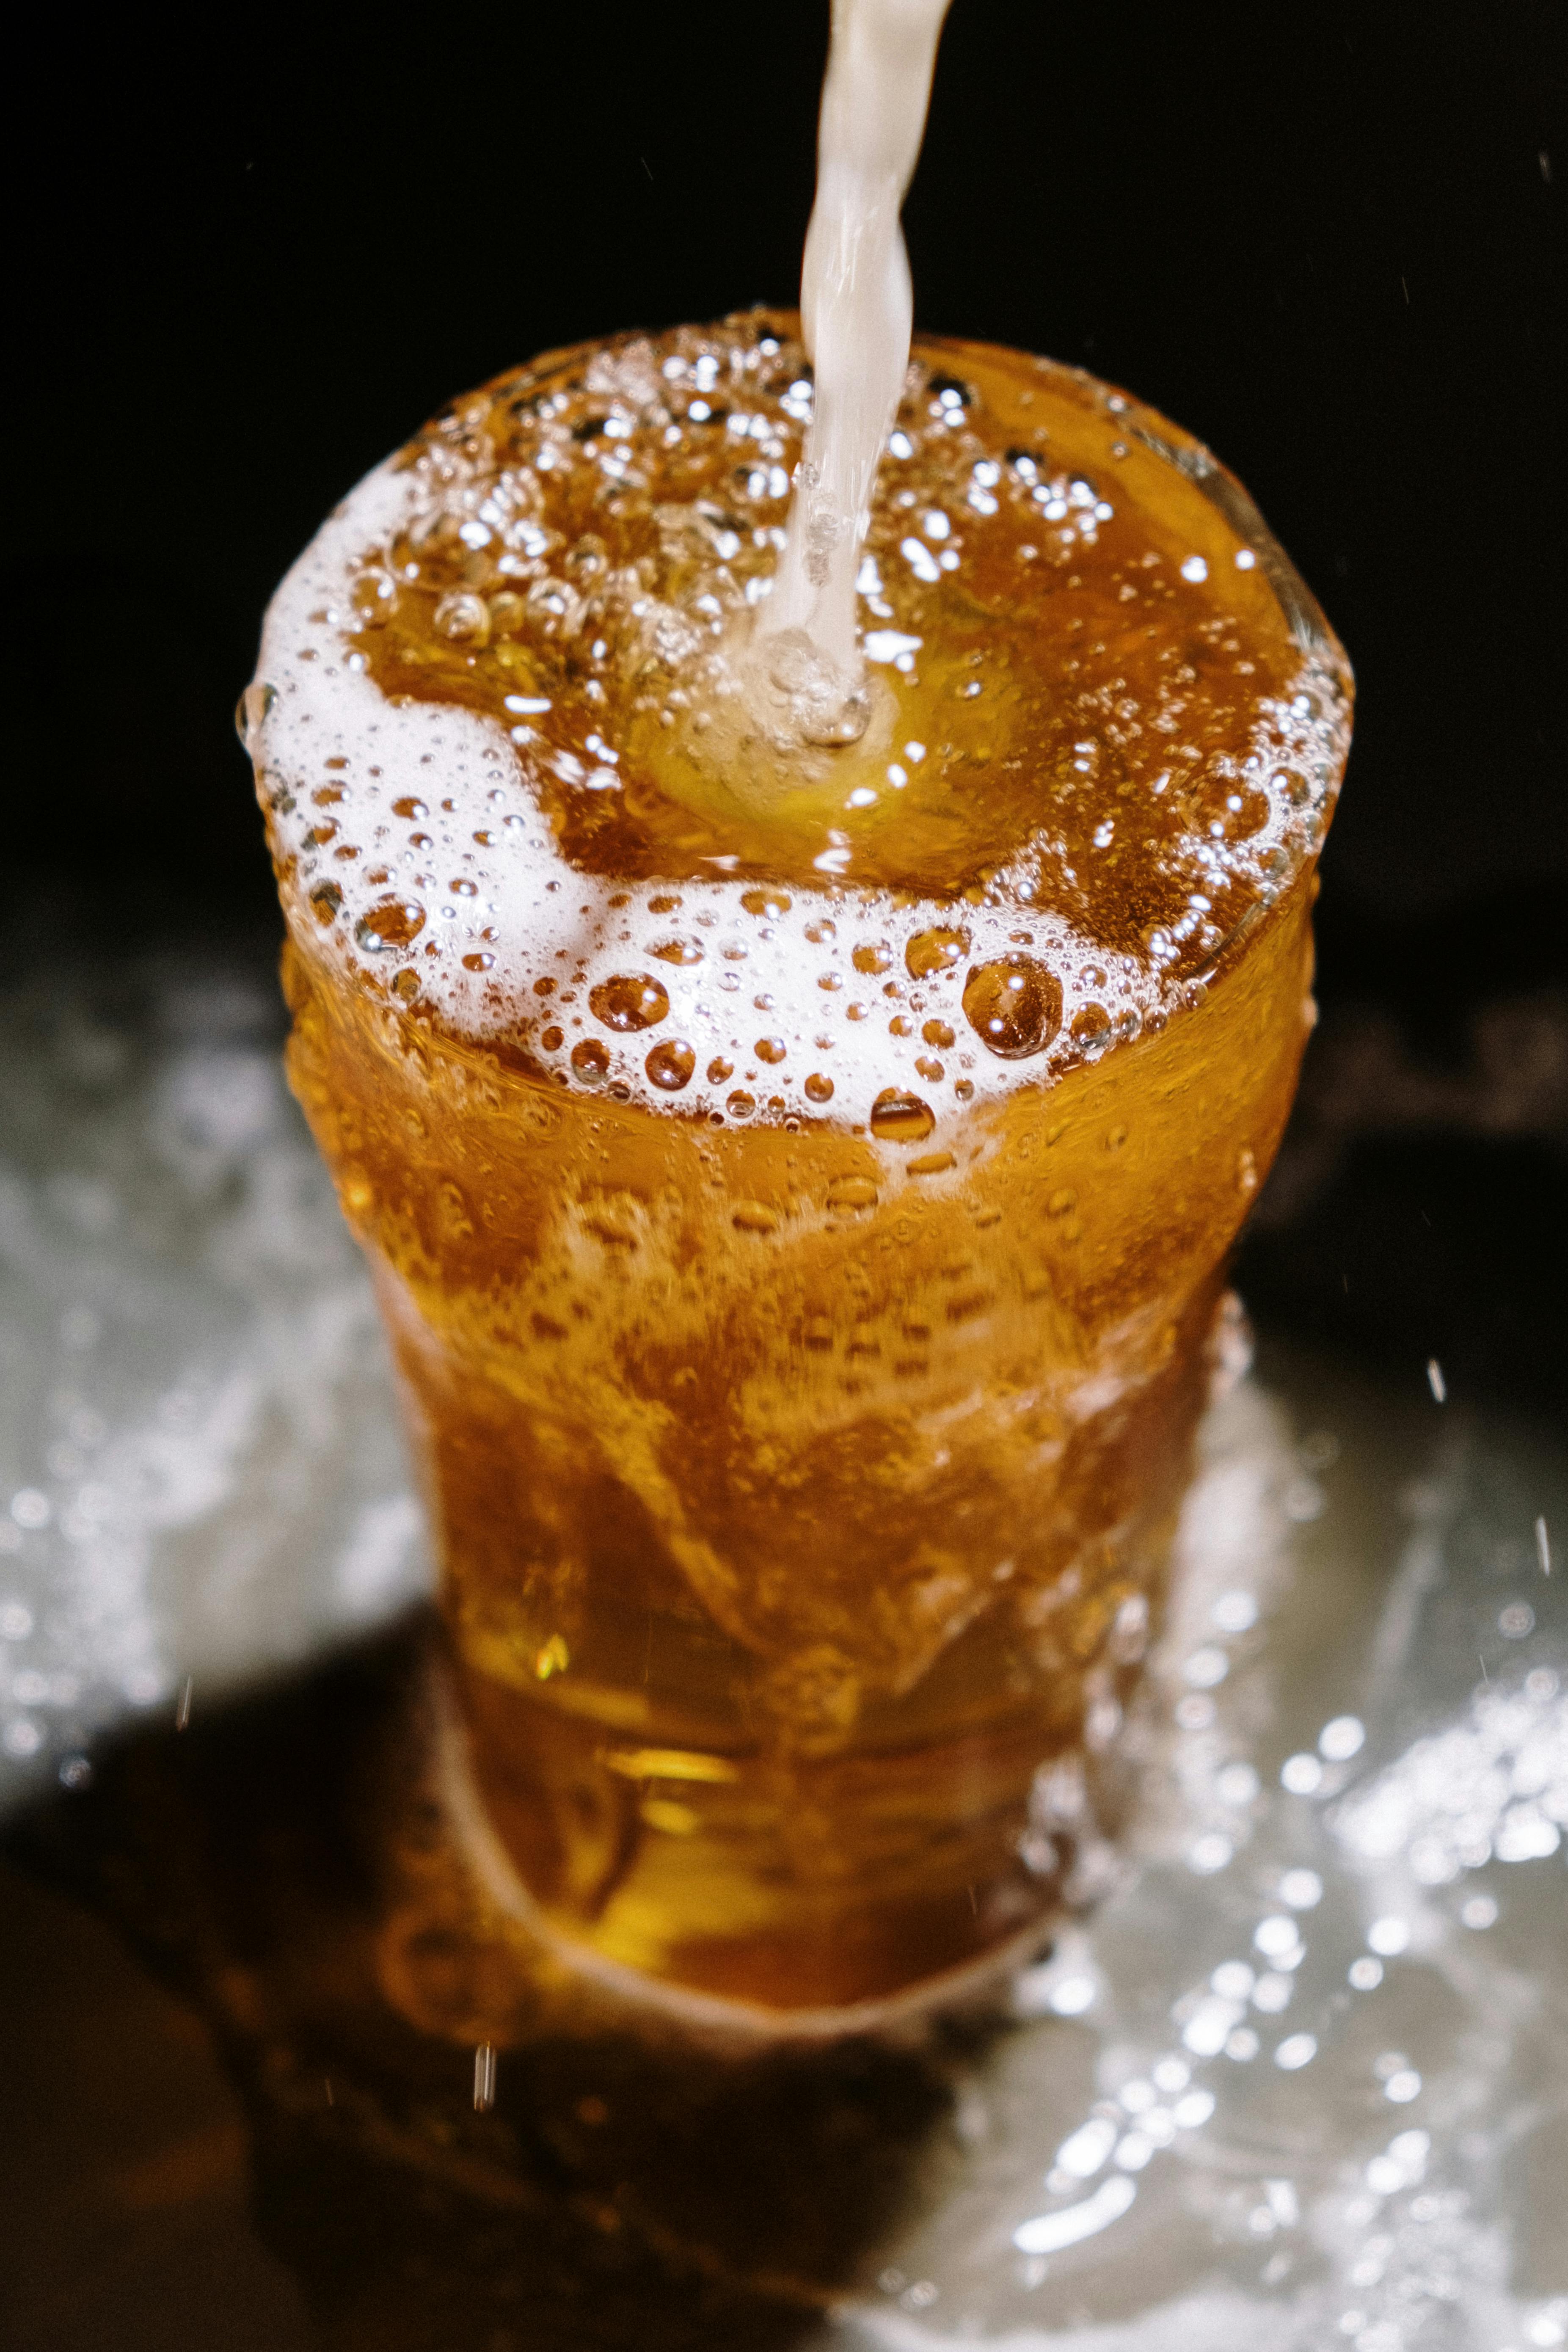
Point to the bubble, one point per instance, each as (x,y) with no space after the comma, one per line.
(390,923)
(479,963)
(552,1040)
(1236,1784)
(671,1064)
(818,1088)
(1276,1936)
(508,614)
(326,903)
(551,609)
(931,953)
(405,985)
(375,598)
(251,710)
(767,902)
(874,956)
(900,1117)
(1389,1936)
(682,951)
(1209,1853)
(937,1032)
(770,1049)
(719,1070)
(1014,1006)
(754,1217)
(465,618)
(1092,1024)
(852,1193)
(630,1000)
(741,1105)
(591,1062)
(409,808)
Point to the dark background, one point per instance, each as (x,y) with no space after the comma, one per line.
(1327,241)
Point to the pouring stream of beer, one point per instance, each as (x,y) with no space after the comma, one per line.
(857,311)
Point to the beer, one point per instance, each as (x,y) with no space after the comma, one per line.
(798,1175)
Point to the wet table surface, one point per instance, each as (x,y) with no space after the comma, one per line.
(1298,2078)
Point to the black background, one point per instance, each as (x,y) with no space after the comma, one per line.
(245,265)
(1323,241)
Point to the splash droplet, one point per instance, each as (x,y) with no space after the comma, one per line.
(1014,1006)
(630,1001)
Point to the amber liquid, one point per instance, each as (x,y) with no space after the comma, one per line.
(803,1467)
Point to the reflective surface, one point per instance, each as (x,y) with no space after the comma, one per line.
(1340,1915)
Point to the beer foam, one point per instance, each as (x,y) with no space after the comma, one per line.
(422,842)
